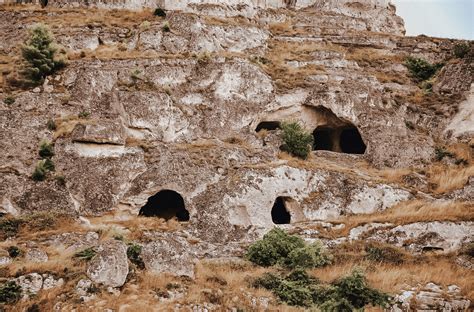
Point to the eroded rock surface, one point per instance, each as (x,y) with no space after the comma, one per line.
(110,265)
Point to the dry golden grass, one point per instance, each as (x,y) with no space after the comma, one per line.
(447,179)
(134,228)
(414,211)
(394,278)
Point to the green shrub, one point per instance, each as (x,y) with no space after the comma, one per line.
(51,125)
(84,115)
(384,254)
(355,289)
(46,149)
(460,50)
(40,53)
(14,251)
(166,27)
(86,254)
(60,180)
(40,172)
(309,256)
(273,248)
(296,140)
(9,100)
(350,293)
(159,12)
(9,227)
(134,254)
(10,292)
(420,69)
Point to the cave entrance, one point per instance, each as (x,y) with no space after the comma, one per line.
(166,204)
(351,141)
(268,125)
(280,214)
(323,139)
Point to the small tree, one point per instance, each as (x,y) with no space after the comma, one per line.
(39,52)
(296,140)
(421,69)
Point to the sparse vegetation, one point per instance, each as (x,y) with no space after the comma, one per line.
(420,69)
(46,149)
(460,50)
(40,172)
(166,27)
(9,100)
(9,227)
(14,251)
(40,54)
(10,292)
(159,12)
(441,153)
(51,125)
(84,115)
(296,140)
(279,248)
(86,254)
(384,254)
(133,254)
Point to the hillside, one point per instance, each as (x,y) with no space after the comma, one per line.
(137,174)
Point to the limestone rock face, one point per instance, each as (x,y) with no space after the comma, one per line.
(32,283)
(421,236)
(172,255)
(110,265)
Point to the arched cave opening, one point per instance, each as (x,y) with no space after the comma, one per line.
(166,204)
(280,214)
(268,125)
(351,141)
(323,139)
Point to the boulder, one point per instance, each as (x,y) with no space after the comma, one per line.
(110,265)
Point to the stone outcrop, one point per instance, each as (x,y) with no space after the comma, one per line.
(431,297)
(110,265)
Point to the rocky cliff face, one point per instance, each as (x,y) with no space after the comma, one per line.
(194,109)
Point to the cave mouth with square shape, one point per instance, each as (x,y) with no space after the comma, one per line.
(280,213)
(166,204)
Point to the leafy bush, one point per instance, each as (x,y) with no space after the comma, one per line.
(14,251)
(9,100)
(460,50)
(51,125)
(159,12)
(296,140)
(86,254)
(134,254)
(40,172)
(278,247)
(84,115)
(355,289)
(166,27)
(350,293)
(9,227)
(46,149)
(275,246)
(39,52)
(10,292)
(309,256)
(384,253)
(420,69)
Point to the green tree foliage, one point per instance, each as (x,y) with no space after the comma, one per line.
(296,140)
(421,69)
(40,54)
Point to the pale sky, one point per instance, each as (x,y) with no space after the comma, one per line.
(438,18)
